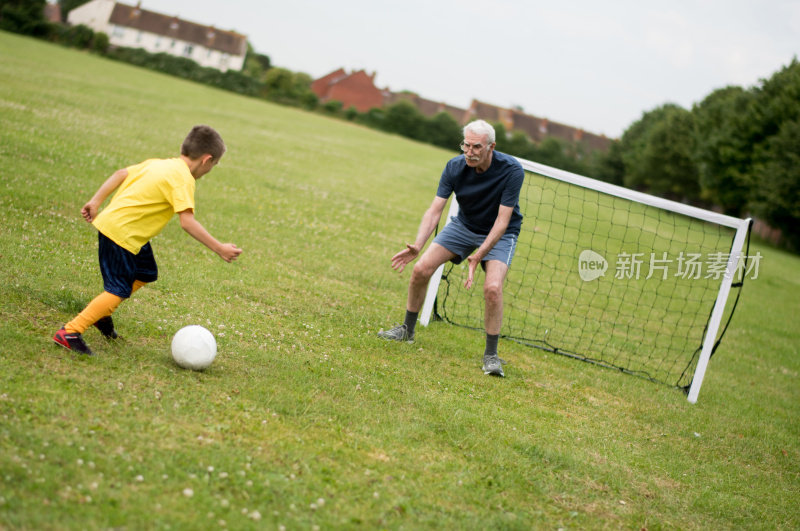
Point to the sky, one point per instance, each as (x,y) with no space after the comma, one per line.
(594,65)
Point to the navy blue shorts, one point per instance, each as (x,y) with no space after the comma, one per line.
(120,267)
(459,240)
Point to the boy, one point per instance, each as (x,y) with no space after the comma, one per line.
(148,195)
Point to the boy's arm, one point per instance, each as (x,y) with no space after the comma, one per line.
(226,251)
(89,210)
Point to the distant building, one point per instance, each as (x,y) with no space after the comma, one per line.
(536,128)
(52,13)
(134,27)
(358,90)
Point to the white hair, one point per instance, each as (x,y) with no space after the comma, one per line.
(481,127)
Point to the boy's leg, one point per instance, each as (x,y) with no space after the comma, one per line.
(106,324)
(101,306)
(121,270)
(123,273)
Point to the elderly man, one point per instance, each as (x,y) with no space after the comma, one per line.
(487,185)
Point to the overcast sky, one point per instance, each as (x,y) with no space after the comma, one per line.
(586,63)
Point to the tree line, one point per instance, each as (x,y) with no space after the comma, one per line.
(737,151)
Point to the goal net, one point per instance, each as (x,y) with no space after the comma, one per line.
(610,276)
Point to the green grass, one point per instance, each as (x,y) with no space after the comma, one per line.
(307,419)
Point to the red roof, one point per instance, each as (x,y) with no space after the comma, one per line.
(358,90)
(353,90)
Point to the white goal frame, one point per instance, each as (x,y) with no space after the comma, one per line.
(741,227)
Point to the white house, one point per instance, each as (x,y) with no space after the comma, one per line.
(134,27)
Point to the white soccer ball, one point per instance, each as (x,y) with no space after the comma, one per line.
(194,347)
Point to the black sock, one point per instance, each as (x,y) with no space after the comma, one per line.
(411,321)
(491,344)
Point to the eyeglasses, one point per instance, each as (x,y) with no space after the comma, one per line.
(476,148)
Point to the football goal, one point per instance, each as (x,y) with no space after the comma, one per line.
(610,276)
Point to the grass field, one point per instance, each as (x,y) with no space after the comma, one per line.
(306,419)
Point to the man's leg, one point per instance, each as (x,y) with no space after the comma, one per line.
(493,295)
(423,270)
(430,260)
(493,317)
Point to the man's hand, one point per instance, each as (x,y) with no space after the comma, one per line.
(473,260)
(229,252)
(401,259)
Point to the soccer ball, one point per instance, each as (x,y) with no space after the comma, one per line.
(194,347)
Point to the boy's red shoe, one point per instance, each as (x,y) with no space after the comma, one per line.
(72,341)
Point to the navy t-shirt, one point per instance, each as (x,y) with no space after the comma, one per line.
(480,195)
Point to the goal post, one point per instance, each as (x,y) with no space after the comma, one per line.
(562,295)
(433,284)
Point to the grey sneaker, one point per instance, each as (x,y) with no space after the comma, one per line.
(398,333)
(493,365)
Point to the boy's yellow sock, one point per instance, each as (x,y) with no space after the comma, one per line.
(101,306)
(136,285)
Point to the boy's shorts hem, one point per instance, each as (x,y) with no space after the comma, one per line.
(459,240)
(121,268)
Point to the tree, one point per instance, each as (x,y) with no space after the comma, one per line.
(24,16)
(657,152)
(405,119)
(776,152)
(284,86)
(256,65)
(778,195)
(442,130)
(608,166)
(724,131)
(68,5)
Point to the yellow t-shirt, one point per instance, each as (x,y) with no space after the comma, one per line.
(152,192)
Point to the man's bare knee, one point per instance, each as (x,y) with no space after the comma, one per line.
(492,291)
(421,272)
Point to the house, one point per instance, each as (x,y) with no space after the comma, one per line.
(134,27)
(52,13)
(356,89)
(537,129)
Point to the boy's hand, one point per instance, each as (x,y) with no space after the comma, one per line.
(229,252)
(89,211)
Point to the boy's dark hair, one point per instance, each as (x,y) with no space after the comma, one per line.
(202,140)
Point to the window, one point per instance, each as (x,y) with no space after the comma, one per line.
(187,50)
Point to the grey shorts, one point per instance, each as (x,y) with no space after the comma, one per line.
(459,240)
